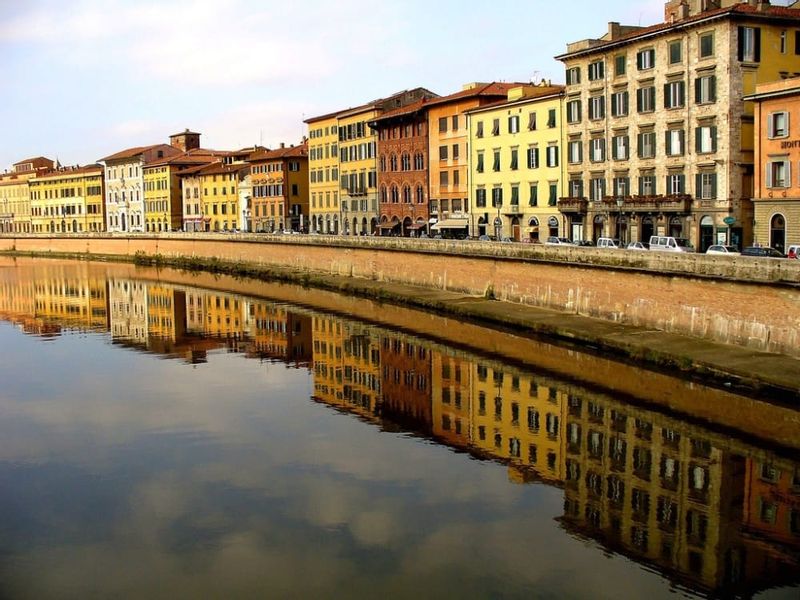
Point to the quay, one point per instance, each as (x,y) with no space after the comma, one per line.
(733,321)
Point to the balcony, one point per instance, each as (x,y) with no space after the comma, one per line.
(675,203)
(575,205)
(512,210)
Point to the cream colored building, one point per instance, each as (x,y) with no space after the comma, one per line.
(15,202)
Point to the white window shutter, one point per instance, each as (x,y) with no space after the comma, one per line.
(768,175)
(770,126)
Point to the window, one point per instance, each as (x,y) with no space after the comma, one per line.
(676,184)
(496,161)
(532,121)
(533,158)
(576,188)
(513,124)
(496,127)
(597,189)
(598,150)
(707,45)
(551,118)
(619,104)
(778,125)
(515,195)
(480,198)
(573,76)
(749,47)
(706,184)
(479,163)
(574,111)
(647,145)
(514,159)
(596,70)
(444,181)
(675,52)
(479,129)
(454,123)
(534,197)
(442,152)
(622,186)
(497,196)
(619,65)
(620,147)
(597,107)
(646,99)
(705,139)
(778,173)
(647,185)
(552,156)
(552,198)
(674,142)
(705,89)
(574,152)
(442,124)
(646,59)
(674,94)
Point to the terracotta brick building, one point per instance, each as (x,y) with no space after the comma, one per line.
(403,189)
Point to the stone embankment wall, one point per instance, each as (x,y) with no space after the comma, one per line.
(745,301)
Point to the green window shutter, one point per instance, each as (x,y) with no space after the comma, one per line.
(639,60)
(797,42)
(757,49)
(534,195)
(682,138)
(697,88)
(668,142)
(681,94)
(639,100)
(698,184)
(740,43)
(714,185)
(666,96)
(712,88)
(697,140)
(682,183)
(714,139)
(641,186)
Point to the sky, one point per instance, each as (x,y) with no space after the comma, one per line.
(83,79)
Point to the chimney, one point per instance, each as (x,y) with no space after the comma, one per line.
(283,145)
(187,140)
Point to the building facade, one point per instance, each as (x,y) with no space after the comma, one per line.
(776,200)
(279,181)
(15,202)
(516,165)
(124,178)
(323,173)
(68,200)
(659,140)
(219,194)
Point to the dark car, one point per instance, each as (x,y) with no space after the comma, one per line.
(762,251)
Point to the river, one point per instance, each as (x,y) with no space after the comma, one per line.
(165,434)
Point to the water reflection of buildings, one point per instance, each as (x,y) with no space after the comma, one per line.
(702,509)
(714,514)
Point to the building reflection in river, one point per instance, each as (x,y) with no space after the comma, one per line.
(712,513)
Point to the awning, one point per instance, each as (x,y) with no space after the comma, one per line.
(388,225)
(416,226)
(451,224)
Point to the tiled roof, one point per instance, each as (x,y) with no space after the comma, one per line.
(190,157)
(485,89)
(300,151)
(136,151)
(33,160)
(537,92)
(217,168)
(767,11)
(66,171)
(408,109)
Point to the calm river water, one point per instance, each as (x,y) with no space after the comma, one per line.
(160,440)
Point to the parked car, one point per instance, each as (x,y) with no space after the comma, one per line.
(666,243)
(793,251)
(484,238)
(762,251)
(584,243)
(558,241)
(637,246)
(605,242)
(720,249)
(506,240)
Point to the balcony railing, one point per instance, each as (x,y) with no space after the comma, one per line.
(673,203)
(573,205)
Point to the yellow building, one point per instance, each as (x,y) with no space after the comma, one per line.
(323,173)
(516,167)
(219,189)
(68,200)
(451,398)
(519,417)
(15,202)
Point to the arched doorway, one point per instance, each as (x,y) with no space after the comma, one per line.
(533,234)
(777,232)
(354,231)
(364,226)
(481,226)
(335,224)
(598,227)
(123,222)
(406,232)
(647,230)
(622,229)
(552,225)
(706,233)
(373,225)
(515,229)
(74,226)
(676,227)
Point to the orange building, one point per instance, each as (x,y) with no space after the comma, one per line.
(776,199)
(279,180)
(448,138)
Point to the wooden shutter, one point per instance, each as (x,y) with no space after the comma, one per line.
(698,184)
(797,42)
(740,43)
(698,142)
(757,44)
(713,139)
(713,185)
(668,141)
(712,88)
(666,96)
(639,60)
(639,100)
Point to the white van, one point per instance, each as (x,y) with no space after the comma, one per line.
(665,243)
(608,243)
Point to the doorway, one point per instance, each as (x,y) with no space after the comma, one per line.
(777,232)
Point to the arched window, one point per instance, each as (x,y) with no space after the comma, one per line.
(393,163)
(383,193)
(420,195)
(419,161)
(407,194)
(395,195)
(383,162)
(405,161)
(777,232)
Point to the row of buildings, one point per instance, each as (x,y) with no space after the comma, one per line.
(681,128)
(711,512)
